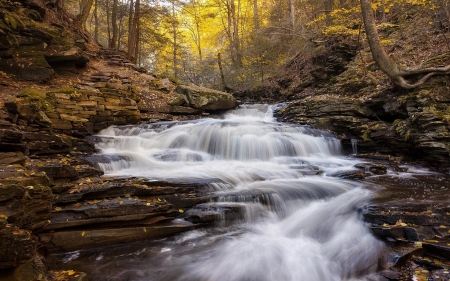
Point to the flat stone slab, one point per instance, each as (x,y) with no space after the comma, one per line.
(72,240)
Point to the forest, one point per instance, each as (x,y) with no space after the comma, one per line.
(233,44)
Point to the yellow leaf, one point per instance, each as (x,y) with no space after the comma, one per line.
(145,230)
(148,204)
(95,201)
(432,241)
(70,272)
(127,195)
(442,226)
(159,199)
(83,233)
(181,211)
(58,209)
(121,202)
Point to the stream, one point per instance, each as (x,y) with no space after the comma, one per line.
(282,213)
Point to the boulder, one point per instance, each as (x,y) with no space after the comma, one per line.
(206,99)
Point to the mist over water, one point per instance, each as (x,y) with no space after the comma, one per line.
(294,222)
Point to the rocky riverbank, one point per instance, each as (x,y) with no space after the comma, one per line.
(54,198)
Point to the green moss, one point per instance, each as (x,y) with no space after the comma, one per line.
(65,90)
(406,136)
(33,94)
(365,133)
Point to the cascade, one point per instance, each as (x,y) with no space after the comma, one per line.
(292,221)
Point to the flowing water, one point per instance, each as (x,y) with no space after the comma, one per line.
(294,222)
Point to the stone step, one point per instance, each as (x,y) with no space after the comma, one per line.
(115,63)
(106,211)
(71,240)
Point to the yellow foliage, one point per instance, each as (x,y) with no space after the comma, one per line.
(340,30)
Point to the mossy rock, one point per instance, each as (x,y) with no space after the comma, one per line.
(206,99)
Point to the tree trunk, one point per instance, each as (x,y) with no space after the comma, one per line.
(131,30)
(222,77)
(328,7)
(134,49)
(174,30)
(255,15)
(236,45)
(97,23)
(199,46)
(108,23)
(137,32)
(292,14)
(390,68)
(115,28)
(86,6)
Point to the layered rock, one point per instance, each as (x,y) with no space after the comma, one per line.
(414,126)
(77,112)
(31,50)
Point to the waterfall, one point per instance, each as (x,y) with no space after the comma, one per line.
(289,220)
(354,146)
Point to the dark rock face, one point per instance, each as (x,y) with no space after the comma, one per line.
(25,199)
(414,127)
(23,249)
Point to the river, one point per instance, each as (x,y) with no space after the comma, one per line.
(282,215)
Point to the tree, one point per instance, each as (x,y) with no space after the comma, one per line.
(85,9)
(328,6)
(396,73)
(115,27)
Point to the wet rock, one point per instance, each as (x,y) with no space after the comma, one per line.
(352,174)
(411,234)
(374,168)
(391,274)
(31,270)
(388,232)
(206,99)
(437,250)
